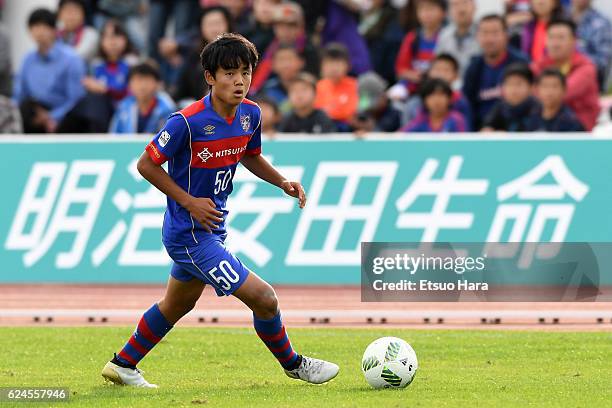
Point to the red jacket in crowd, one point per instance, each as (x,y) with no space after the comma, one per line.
(582,88)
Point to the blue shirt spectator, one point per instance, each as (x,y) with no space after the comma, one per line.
(594,33)
(52,79)
(564,121)
(129,118)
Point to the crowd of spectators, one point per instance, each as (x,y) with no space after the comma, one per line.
(122,66)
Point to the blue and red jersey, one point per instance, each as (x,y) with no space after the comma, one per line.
(203,149)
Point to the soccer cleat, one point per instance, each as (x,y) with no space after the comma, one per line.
(314,371)
(125,376)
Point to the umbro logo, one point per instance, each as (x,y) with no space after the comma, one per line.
(204,155)
(209,130)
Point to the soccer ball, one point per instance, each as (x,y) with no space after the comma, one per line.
(389,362)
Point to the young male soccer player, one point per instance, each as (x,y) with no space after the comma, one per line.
(204,143)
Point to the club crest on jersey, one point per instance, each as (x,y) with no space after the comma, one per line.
(164,138)
(204,155)
(209,130)
(245,122)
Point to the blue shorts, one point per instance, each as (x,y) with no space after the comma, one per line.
(209,261)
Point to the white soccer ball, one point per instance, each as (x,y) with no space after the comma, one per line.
(389,362)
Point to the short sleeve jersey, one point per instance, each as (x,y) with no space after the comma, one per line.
(202,150)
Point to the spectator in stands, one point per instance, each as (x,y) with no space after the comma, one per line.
(287,64)
(73,31)
(594,34)
(459,38)
(106,84)
(582,89)
(337,92)
(191,85)
(437,115)
(5,62)
(517,14)
(512,112)
(241,14)
(146,109)
(444,67)
(48,84)
(128,13)
(304,117)
(383,35)
(376,114)
(417,49)
(109,73)
(481,83)
(185,13)
(553,115)
(288,30)
(533,38)
(10,119)
(341,27)
(270,115)
(260,32)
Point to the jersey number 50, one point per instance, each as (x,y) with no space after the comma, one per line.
(222,180)
(227,275)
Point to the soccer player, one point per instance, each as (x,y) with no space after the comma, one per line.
(204,143)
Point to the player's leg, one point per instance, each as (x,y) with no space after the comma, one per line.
(260,297)
(180,297)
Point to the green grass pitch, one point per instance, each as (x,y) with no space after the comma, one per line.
(230,367)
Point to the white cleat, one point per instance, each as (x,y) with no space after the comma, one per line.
(125,376)
(314,371)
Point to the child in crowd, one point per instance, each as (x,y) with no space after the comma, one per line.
(445,67)
(270,115)
(437,115)
(304,117)
(147,108)
(337,92)
(417,49)
(512,112)
(554,115)
(286,65)
(73,31)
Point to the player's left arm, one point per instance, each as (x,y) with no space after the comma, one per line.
(259,166)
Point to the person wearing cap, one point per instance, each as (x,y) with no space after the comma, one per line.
(288,30)
(375,111)
(304,117)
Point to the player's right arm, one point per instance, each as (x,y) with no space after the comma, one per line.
(163,147)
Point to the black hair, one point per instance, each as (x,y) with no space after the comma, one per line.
(519,69)
(440,3)
(552,73)
(306,78)
(118,29)
(147,68)
(265,99)
(557,11)
(218,9)
(448,58)
(79,3)
(563,22)
(336,51)
(494,17)
(291,47)
(433,85)
(228,51)
(42,16)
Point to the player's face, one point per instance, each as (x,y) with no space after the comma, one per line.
(231,85)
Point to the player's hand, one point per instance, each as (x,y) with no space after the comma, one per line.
(203,210)
(294,189)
